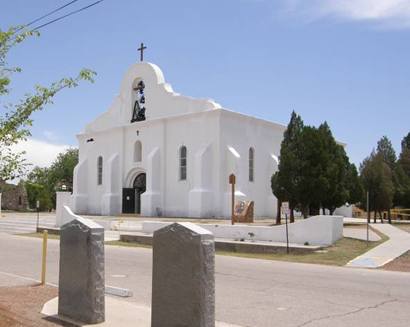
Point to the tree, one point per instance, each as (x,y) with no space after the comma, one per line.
(404,160)
(314,170)
(377,180)
(405,143)
(16,119)
(401,184)
(313,159)
(39,188)
(323,177)
(42,183)
(402,175)
(289,164)
(354,185)
(280,194)
(385,149)
(37,192)
(335,170)
(61,171)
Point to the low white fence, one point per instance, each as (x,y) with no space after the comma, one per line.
(317,230)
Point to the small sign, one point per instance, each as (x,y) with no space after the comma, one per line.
(285,208)
(240,207)
(37,204)
(232,179)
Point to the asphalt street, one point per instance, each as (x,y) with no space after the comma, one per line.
(249,292)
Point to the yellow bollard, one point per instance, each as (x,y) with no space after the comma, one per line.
(44,258)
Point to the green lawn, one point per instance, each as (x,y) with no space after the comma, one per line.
(338,254)
(405,227)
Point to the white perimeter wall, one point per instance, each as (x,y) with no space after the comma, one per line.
(318,230)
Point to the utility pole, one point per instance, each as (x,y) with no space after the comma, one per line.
(368,218)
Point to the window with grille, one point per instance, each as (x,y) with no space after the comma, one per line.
(99,170)
(251,164)
(182,163)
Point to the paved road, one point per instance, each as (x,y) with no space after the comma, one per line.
(250,292)
(19,223)
(26,222)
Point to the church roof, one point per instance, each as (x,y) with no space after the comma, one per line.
(159,98)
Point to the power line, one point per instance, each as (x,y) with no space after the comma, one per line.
(50,13)
(66,15)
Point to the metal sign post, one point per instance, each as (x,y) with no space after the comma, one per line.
(285,210)
(44,258)
(368,219)
(232,181)
(38,214)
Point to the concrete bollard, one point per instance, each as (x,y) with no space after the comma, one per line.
(183,278)
(81,281)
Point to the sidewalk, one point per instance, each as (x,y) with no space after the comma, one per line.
(9,279)
(117,313)
(398,244)
(360,234)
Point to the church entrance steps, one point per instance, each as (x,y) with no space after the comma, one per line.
(230,245)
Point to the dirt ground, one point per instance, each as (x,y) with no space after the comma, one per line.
(20,306)
(402,263)
(405,227)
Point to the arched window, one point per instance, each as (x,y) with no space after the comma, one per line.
(99,170)
(138,151)
(251,164)
(182,162)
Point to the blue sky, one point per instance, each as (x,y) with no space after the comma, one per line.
(343,61)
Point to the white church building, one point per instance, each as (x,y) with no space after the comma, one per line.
(158,153)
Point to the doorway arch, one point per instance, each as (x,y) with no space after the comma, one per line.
(140,187)
(131,197)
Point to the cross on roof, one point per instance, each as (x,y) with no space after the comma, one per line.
(141,50)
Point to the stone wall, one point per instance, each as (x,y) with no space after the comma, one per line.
(14,197)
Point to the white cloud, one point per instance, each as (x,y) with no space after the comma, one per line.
(50,136)
(391,13)
(40,153)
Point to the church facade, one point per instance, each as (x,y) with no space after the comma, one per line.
(158,153)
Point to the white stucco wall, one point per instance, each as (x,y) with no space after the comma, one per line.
(318,230)
(62,199)
(243,132)
(208,132)
(345,211)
